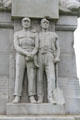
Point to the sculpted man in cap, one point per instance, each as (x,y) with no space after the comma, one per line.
(49,52)
(26,45)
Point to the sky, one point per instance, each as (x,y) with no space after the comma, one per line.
(77,47)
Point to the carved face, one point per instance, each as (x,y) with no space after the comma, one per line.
(45,24)
(26,23)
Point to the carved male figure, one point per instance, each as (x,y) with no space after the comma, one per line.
(49,52)
(26,45)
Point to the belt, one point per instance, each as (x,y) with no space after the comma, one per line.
(27,47)
(45,50)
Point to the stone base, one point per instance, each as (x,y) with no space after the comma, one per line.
(37,118)
(34,109)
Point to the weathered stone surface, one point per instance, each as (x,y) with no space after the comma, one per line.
(37,118)
(65,27)
(5,50)
(34,109)
(3,93)
(35,9)
(67,20)
(70,87)
(66,42)
(66,23)
(69,62)
(69,4)
(5,17)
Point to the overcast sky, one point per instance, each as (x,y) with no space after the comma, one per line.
(77,47)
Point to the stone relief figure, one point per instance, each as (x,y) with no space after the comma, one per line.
(26,45)
(69,4)
(49,52)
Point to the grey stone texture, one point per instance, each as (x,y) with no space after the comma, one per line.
(34,109)
(35,9)
(48,56)
(37,118)
(67,80)
(66,6)
(67,74)
(69,4)
(6,43)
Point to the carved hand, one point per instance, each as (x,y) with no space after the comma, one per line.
(29,56)
(56,60)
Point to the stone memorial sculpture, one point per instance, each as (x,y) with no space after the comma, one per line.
(49,52)
(29,60)
(26,45)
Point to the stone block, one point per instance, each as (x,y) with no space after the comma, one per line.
(3,94)
(67,20)
(67,66)
(34,109)
(35,8)
(5,39)
(5,17)
(66,41)
(71,92)
(4,64)
(66,23)
(37,118)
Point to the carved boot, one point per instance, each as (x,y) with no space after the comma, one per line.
(40,99)
(51,100)
(16,99)
(32,99)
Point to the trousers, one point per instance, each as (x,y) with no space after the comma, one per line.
(21,63)
(46,64)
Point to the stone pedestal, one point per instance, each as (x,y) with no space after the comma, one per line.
(37,118)
(34,109)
